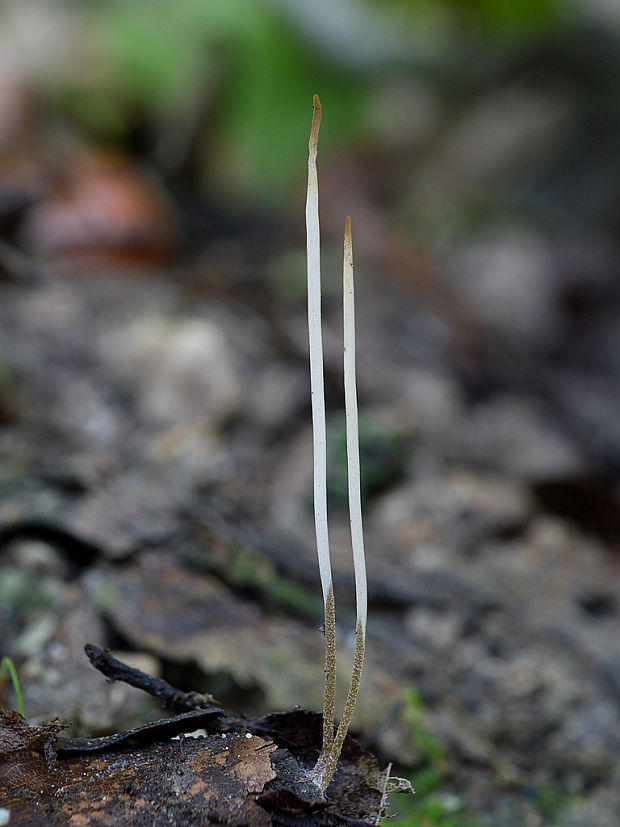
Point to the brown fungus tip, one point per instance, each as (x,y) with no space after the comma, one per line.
(348,252)
(316,122)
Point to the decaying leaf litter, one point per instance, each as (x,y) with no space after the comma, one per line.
(139,501)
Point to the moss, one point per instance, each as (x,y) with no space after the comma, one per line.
(243,568)
(21,591)
(435,810)
(415,715)
(550,802)
(431,805)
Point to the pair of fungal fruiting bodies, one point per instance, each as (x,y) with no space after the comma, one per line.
(332,743)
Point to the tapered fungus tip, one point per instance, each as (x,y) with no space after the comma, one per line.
(347,228)
(316,122)
(348,249)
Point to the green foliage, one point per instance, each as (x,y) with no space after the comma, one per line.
(8,667)
(511,15)
(233,79)
(495,17)
(163,59)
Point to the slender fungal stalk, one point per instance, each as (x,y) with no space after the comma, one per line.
(328,759)
(313,241)
(353,450)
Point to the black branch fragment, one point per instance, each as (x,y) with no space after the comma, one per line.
(168,696)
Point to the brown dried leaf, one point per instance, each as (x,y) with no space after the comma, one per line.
(16,735)
(208,780)
(103,209)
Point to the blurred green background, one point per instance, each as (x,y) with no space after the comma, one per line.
(222,88)
(459,111)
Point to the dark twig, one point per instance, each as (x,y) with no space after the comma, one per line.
(168,696)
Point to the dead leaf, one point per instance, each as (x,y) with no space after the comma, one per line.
(208,780)
(102,209)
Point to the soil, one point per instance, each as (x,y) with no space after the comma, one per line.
(155,498)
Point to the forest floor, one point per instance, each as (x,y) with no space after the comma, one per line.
(155,498)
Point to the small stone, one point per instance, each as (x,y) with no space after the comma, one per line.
(513,435)
(34,637)
(180,370)
(36,557)
(440,631)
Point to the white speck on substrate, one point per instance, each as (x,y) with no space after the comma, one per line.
(5,816)
(248,734)
(196,733)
